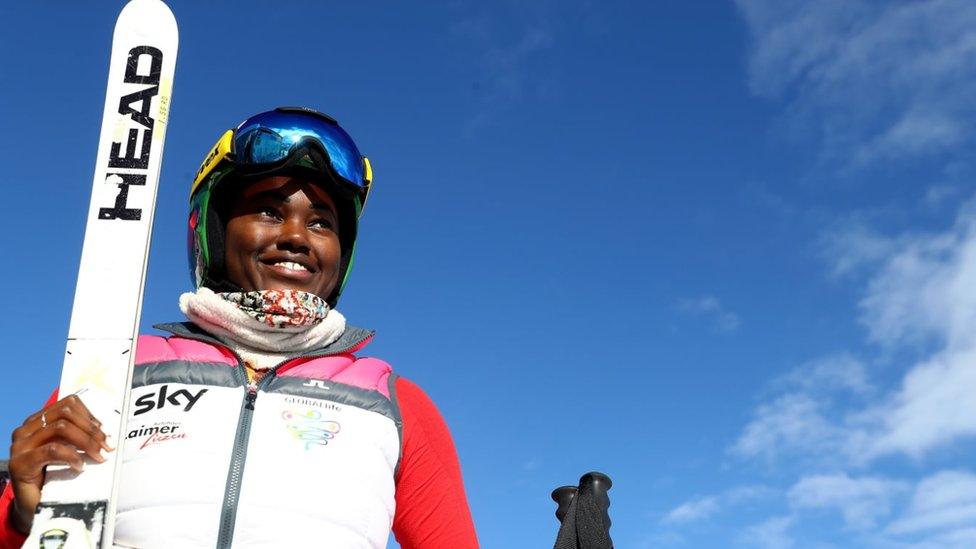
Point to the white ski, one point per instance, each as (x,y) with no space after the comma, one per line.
(78,510)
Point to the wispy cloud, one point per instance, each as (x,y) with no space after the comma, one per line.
(937,512)
(863,436)
(937,195)
(801,418)
(918,300)
(919,295)
(693,510)
(878,80)
(841,372)
(944,501)
(861,501)
(791,424)
(711,308)
(923,293)
(851,246)
(705,507)
(769,534)
(504,53)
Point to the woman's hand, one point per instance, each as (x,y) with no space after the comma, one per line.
(62,434)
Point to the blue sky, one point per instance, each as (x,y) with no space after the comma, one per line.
(721,251)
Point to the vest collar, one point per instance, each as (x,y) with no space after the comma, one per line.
(351,340)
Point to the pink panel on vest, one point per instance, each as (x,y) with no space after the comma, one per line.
(366,373)
(153,348)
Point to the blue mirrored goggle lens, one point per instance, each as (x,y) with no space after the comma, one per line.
(270,137)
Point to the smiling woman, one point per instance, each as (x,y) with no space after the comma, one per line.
(282,233)
(258,411)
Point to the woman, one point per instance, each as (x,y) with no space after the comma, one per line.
(254,424)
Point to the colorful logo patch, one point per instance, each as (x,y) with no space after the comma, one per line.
(309,427)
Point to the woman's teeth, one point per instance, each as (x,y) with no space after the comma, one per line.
(291,266)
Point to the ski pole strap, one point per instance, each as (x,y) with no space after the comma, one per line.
(585,520)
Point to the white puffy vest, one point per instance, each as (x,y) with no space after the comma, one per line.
(306,458)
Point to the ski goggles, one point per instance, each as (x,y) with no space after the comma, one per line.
(269,139)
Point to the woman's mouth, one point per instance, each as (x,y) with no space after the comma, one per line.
(291,266)
(289,269)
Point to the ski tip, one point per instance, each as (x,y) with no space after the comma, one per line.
(147,17)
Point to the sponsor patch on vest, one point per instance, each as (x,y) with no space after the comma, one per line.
(165,396)
(156,433)
(316,383)
(310,427)
(314,403)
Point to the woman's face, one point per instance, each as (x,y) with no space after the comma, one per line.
(282,234)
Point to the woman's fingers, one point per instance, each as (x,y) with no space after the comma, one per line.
(62,434)
(27,474)
(64,431)
(69,410)
(31,462)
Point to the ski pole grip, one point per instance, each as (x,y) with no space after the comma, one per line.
(563,496)
(601,482)
(598,484)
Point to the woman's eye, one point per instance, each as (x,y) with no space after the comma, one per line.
(321,224)
(269,212)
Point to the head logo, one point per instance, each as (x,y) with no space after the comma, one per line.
(138,107)
(152,401)
(309,427)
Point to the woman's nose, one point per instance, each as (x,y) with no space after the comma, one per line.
(294,235)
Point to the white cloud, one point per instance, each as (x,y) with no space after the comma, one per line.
(853,246)
(861,501)
(841,372)
(794,423)
(769,534)
(935,407)
(705,507)
(710,307)
(693,510)
(943,501)
(938,195)
(924,288)
(923,293)
(919,295)
(802,418)
(879,80)
(751,492)
(963,538)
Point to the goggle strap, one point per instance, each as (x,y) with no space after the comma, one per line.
(221,149)
(367,185)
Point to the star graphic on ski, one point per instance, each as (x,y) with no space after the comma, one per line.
(93,375)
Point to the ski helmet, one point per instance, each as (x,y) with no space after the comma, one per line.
(283,141)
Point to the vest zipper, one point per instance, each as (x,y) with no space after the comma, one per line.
(232,492)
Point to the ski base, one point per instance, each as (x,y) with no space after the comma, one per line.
(68,526)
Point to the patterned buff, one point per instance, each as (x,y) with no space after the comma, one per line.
(280,308)
(263,322)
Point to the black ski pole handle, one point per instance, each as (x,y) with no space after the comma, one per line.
(563,496)
(601,482)
(598,484)
(583,513)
